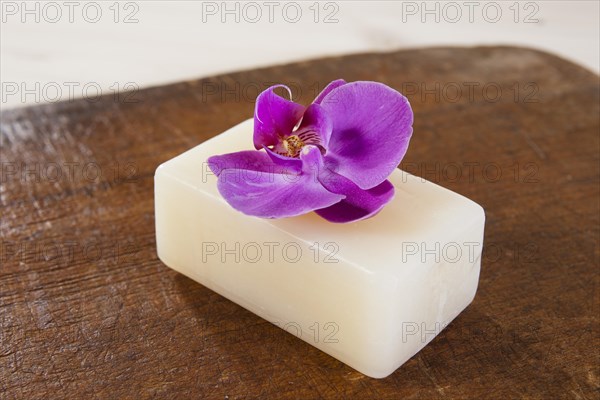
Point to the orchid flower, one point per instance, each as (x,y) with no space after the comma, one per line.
(332,157)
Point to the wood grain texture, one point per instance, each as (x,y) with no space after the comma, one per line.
(88,311)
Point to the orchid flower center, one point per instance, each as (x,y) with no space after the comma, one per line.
(293,144)
(290,146)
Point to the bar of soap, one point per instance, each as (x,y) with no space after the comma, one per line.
(370,293)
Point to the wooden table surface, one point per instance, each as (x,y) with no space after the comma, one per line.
(88,311)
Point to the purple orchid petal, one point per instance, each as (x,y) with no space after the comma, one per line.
(275,194)
(372,126)
(274,116)
(250,160)
(294,164)
(316,126)
(359,204)
(332,85)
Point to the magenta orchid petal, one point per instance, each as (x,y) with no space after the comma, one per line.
(332,85)
(294,164)
(249,160)
(312,162)
(271,191)
(316,126)
(274,116)
(372,126)
(359,204)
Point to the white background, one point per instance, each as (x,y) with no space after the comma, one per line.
(54,51)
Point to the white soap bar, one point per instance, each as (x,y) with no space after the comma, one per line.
(370,293)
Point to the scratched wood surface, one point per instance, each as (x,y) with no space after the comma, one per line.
(88,311)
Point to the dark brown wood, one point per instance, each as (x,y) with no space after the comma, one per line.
(88,311)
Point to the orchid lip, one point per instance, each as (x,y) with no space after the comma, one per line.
(291,145)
